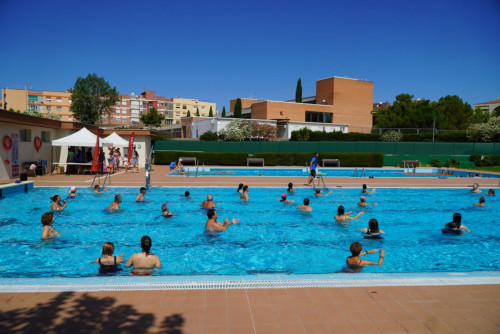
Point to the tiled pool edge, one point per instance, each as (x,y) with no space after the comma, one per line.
(129,283)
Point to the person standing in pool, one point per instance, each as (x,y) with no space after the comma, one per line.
(290,188)
(475,188)
(362,202)
(97,189)
(318,192)
(305,207)
(482,200)
(208,203)
(355,264)
(372,229)
(284,200)
(165,211)
(48,231)
(142,193)
(314,164)
(56,205)
(213,225)
(116,204)
(240,188)
(109,263)
(365,190)
(342,216)
(244,195)
(456,224)
(144,262)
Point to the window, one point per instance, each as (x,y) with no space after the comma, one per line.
(124,103)
(48,99)
(317,117)
(25,135)
(49,108)
(203,109)
(177,114)
(32,99)
(124,119)
(71,118)
(69,101)
(60,109)
(117,120)
(177,106)
(59,100)
(184,106)
(69,109)
(117,110)
(45,136)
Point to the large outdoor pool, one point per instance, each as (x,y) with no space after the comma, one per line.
(271,237)
(328,172)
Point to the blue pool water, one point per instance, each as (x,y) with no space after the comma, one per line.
(327,172)
(271,237)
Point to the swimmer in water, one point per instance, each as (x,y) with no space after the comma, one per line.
(142,193)
(355,264)
(97,189)
(186,193)
(372,228)
(475,188)
(72,192)
(482,200)
(318,192)
(213,225)
(290,188)
(48,231)
(244,195)
(365,190)
(491,192)
(56,205)
(341,216)
(165,211)
(456,224)
(284,200)
(144,262)
(362,202)
(305,207)
(116,203)
(208,203)
(109,263)
(240,188)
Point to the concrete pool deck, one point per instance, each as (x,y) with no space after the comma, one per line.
(472,307)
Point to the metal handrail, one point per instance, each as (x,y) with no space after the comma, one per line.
(355,173)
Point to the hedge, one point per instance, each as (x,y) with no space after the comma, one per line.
(207,158)
(346,159)
(487,160)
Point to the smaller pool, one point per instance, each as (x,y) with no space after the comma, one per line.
(328,172)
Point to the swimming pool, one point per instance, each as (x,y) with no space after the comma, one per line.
(327,172)
(271,237)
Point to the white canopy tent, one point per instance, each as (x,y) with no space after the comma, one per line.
(116,140)
(81,138)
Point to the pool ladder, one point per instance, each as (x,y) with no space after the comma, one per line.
(362,173)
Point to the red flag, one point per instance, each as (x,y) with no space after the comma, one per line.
(130,147)
(95,158)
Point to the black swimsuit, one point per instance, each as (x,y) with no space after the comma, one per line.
(109,268)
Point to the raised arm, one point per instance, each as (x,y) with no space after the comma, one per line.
(380,258)
(356,216)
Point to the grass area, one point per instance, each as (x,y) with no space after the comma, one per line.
(487,169)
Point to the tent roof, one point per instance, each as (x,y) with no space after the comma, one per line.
(80,138)
(116,140)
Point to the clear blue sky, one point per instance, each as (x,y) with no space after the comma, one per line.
(220,50)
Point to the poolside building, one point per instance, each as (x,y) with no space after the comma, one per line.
(490,106)
(343,102)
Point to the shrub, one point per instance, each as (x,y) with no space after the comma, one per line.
(392,136)
(236,130)
(453,162)
(209,136)
(486,132)
(300,159)
(435,162)
(208,158)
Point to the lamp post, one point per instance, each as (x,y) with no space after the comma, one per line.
(324,102)
(433,125)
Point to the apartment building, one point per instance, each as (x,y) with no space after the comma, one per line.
(46,102)
(182,106)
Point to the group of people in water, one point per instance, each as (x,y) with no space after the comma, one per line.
(144,262)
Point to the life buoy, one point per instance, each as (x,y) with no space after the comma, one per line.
(7,142)
(38,143)
(111,148)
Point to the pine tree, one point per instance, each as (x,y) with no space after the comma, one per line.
(188,114)
(237,108)
(223,111)
(211,113)
(298,92)
(197,111)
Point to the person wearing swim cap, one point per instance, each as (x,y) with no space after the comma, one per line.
(284,200)
(72,192)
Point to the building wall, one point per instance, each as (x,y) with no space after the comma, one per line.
(245,103)
(287,110)
(16,99)
(182,106)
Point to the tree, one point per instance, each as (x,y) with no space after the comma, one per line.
(223,111)
(211,113)
(197,111)
(237,109)
(458,115)
(298,92)
(91,98)
(152,118)
(188,114)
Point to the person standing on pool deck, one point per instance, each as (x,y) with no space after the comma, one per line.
(116,203)
(314,164)
(144,262)
(208,203)
(244,195)
(141,197)
(213,225)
